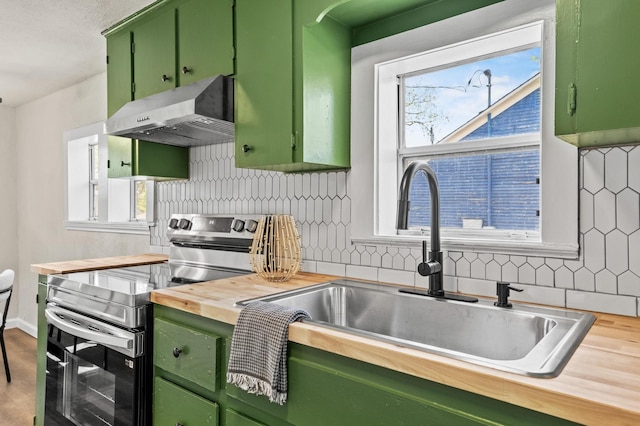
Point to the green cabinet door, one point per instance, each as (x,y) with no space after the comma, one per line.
(205,39)
(596,64)
(119,76)
(236,419)
(154,53)
(173,405)
(186,352)
(292,87)
(264,83)
(142,159)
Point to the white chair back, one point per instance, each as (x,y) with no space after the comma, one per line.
(6,282)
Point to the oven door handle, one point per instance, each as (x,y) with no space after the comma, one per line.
(89,329)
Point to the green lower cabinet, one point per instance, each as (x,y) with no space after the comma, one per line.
(234,418)
(325,389)
(41,372)
(132,158)
(173,405)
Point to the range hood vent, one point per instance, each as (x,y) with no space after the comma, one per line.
(200,113)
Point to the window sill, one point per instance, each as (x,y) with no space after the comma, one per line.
(140,228)
(515,247)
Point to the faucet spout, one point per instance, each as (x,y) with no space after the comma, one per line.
(433,266)
(434,192)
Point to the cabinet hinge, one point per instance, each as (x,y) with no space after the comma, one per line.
(107,59)
(133,87)
(571,99)
(108,164)
(133,48)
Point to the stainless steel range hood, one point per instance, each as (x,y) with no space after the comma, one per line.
(200,113)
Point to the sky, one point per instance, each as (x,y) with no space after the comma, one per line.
(457,100)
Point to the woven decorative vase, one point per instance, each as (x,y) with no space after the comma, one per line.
(275,251)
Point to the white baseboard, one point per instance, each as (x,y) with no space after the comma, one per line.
(28,328)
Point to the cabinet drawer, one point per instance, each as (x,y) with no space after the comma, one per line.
(236,419)
(189,353)
(173,405)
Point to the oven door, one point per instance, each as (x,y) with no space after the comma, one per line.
(95,372)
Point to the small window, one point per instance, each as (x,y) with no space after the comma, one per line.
(95,202)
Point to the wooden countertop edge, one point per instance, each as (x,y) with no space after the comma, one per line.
(556,396)
(66,267)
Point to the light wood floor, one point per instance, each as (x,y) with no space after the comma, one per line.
(17,399)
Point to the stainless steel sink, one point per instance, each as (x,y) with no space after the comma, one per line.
(528,340)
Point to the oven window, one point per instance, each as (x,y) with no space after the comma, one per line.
(86,392)
(91,384)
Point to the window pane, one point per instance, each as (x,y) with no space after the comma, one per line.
(490,190)
(140,204)
(94,162)
(492,97)
(94,202)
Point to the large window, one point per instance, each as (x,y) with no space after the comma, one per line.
(474,96)
(95,202)
(476,120)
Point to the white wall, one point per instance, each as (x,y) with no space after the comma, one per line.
(8,196)
(38,147)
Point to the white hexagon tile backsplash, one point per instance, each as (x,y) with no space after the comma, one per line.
(606,278)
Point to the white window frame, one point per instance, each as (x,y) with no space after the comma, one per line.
(374,136)
(93,181)
(114,195)
(389,73)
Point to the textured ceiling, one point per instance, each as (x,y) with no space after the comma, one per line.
(48,45)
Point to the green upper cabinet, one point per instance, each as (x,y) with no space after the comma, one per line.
(264,83)
(205,39)
(597,63)
(131,158)
(292,87)
(119,71)
(154,54)
(170,44)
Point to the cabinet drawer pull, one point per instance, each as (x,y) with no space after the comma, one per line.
(246,148)
(122,164)
(165,77)
(185,70)
(179,424)
(177,352)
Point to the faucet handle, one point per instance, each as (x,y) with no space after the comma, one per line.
(427,267)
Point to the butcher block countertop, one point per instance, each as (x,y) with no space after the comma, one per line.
(69,266)
(600,384)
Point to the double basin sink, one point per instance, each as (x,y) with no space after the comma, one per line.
(529,340)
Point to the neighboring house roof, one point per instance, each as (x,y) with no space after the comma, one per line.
(522,105)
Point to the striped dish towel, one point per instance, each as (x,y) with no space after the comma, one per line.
(258,361)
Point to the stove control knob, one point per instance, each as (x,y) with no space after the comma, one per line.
(184,224)
(173,223)
(238,225)
(251,225)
